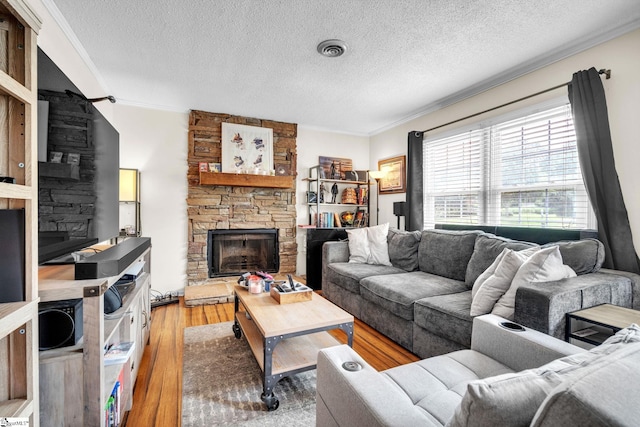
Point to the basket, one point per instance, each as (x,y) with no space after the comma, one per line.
(349,196)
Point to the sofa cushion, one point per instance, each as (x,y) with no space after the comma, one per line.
(504,400)
(583,256)
(486,249)
(446,253)
(544,265)
(398,292)
(446,316)
(403,248)
(605,395)
(514,399)
(348,275)
(369,245)
(436,384)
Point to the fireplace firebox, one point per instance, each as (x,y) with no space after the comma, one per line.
(234,252)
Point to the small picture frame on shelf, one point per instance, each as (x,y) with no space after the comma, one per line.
(215,167)
(55,157)
(203,167)
(73,158)
(282,169)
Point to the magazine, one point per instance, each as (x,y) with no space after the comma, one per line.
(118,353)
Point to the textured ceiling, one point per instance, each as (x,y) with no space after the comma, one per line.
(258,57)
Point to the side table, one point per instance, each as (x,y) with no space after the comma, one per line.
(604,321)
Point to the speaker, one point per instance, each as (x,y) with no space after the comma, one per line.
(398,208)
(60,323)
(12,255)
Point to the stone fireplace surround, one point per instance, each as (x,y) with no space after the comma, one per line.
(212,207)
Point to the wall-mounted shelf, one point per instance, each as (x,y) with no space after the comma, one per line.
(246,180)
(59,170)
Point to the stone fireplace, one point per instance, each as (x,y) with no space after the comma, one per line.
(234,252)
(237,208)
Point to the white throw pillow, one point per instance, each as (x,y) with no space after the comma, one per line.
(487,273)
(369,245)
(358,245)
(496,284)
(543,266)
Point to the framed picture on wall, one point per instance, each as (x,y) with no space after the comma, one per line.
(335,167)
(395,178)
(247,149)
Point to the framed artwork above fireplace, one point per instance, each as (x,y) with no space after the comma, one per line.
(247,149)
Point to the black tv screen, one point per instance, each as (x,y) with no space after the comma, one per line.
(78,168)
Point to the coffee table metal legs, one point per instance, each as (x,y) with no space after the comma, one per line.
(270,344)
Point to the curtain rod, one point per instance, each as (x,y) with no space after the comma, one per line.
(606,72)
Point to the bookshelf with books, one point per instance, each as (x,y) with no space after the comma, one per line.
(337,203)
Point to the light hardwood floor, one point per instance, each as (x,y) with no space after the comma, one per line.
(157,396)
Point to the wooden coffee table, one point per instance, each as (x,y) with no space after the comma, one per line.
(285,338)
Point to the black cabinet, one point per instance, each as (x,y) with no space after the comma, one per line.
(315,239)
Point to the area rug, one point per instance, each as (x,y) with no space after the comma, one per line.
(222,383)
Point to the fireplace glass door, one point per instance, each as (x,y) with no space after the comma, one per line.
(234,252)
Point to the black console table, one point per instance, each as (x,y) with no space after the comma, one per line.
(315,239)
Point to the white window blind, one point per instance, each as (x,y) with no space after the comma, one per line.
(522,172)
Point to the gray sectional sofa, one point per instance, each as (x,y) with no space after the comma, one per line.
(507,378)
(422,300)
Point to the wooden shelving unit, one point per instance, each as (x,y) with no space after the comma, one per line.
(18,159)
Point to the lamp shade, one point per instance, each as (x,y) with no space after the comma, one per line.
(128,185)
(377,174)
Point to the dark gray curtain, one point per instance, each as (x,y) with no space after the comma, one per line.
(414,216)
(595,152)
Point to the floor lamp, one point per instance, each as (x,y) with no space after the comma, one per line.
(377,175)
(129,195)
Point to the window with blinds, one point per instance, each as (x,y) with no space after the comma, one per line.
(523,172)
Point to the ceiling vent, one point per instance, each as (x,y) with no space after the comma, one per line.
(332,48)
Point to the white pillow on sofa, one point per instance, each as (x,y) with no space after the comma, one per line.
(369,245)
(543,266)
(492,287)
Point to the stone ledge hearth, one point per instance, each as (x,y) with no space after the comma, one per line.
(214,207)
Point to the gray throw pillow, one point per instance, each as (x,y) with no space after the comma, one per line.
(403,248)
(486,250)
(583,256)
(446,253)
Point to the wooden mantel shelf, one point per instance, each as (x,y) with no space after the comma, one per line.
(245,180)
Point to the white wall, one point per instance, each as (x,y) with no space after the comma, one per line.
(311,145)
(155,143)
(621,55)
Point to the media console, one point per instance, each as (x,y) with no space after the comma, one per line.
(81,399)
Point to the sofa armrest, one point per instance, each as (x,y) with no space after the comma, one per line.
(335,252)
(543,306)
(518,350)
(360,398)
(635,284)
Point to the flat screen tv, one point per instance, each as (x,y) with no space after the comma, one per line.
(78,168)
